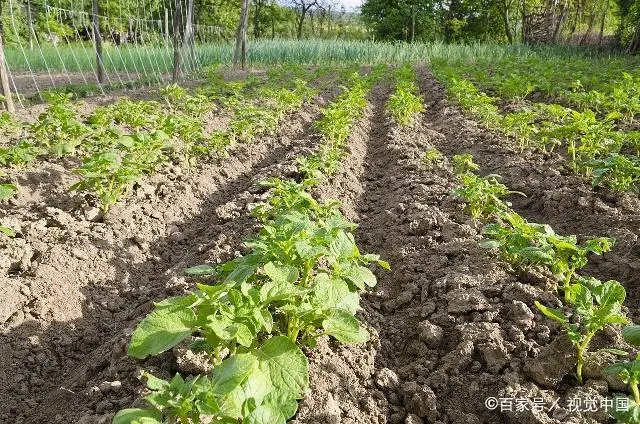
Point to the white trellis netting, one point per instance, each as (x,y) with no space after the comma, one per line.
(57,44)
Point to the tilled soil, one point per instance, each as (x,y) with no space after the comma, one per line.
(451,324)
(72,300)
(554,194)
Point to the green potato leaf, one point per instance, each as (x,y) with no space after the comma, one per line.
(265,414)
(345,327)
(232,372)
(138,416)
(554,314)
(631,335)
(286,365)
(160,331)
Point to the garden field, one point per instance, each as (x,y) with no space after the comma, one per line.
(355,243)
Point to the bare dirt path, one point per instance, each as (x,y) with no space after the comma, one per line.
(75,308)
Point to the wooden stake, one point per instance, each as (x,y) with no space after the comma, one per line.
(178,36)
(4,81)
(98,39)
(166,27)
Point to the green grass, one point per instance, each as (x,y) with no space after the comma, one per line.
(147,59)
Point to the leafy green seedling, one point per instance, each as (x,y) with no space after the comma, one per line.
(58,128)
(629,373)
(524,243)
(7,191)
(432,156)
(7,231)
(594,306)
(405,104)
(483,195)
(464,163)
(619,172)
(260,385)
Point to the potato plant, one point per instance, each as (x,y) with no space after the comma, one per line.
(301,280)
(20,154)
(483,195)
(57,129)
(594,305)
(405,103)
(525,244)
(432,156)
(594,143)
(628,371)
(7,191)
(590,305)
(463,164)
(111,174)
(620,172)
(116,161)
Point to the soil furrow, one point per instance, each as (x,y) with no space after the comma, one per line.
(88,290)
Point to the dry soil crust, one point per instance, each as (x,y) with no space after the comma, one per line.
(71,308)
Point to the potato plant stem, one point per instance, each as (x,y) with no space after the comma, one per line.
(567,281)
(582,348)
(633,384)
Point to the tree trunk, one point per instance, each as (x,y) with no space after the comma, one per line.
(311,21)
(523,26)
(635,41)
(413,23)
(190,36)
(240,51)
(257,17)
(303,12)
(592,20)
(576,18)
(178,38)
(602,22)
(558,26)
(505,19)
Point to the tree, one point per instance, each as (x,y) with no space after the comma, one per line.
(240,51)
(505,7)
(303,7)
(629,29)
(259,7)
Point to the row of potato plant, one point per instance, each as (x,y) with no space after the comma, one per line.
(301,280)
(60,130)
(596,149)
(406,102)
(122,142)
(610,86)
(110,172)
(589,304)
